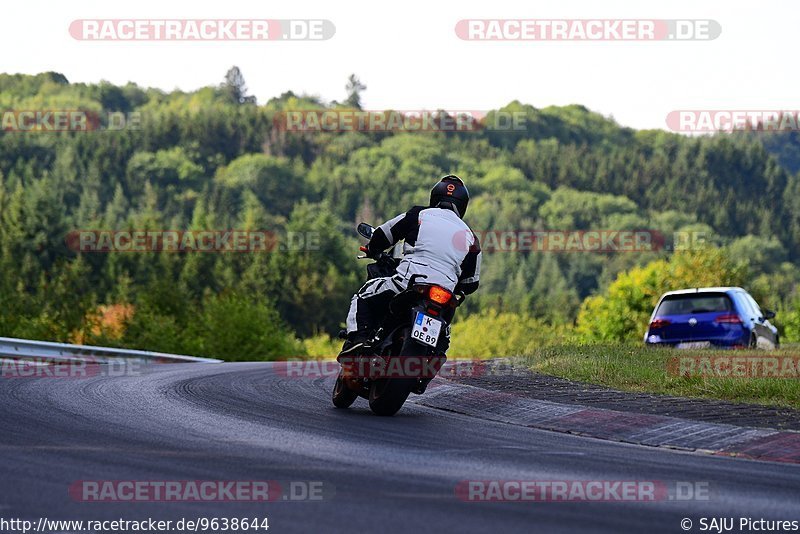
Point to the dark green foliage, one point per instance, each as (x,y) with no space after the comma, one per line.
(212,159)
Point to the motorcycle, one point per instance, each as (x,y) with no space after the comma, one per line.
(407,350)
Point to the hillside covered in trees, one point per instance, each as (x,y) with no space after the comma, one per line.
(216,159)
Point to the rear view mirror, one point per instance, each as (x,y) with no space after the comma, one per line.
(365,230)
(769,314)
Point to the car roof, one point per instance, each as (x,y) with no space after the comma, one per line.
(727,289)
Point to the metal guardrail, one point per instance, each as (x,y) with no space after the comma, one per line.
(13,348)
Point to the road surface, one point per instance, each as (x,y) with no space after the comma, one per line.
(248,421)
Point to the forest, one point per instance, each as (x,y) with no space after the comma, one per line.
(216,159)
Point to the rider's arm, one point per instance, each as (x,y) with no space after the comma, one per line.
(469,279)
(394,230)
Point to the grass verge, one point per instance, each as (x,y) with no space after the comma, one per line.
(736,376)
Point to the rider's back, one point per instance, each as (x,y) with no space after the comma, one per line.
(437,251)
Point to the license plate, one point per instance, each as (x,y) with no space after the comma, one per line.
(694,345)
(426,329)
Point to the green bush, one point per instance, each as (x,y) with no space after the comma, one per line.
(229,326)
(790,320)
(490,334)
(150,330)
(235,328)
(322,347)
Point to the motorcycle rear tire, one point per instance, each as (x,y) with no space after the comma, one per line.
(387,395)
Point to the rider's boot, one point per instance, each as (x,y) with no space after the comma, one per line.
(355,344)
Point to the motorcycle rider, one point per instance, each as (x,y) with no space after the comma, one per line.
(439,249)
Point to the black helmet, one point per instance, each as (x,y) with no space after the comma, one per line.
(450,193)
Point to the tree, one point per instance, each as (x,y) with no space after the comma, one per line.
(314,271)
(234,87)
(354,88)
(276,182)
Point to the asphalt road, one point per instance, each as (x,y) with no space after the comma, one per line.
(247,422)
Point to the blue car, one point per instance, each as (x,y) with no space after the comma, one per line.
(723,317)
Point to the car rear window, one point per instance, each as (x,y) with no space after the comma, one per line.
(695,303)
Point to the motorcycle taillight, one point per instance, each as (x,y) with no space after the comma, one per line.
(439,295)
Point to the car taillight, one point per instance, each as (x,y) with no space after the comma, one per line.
(659,323)
(729,318)
(439,295)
